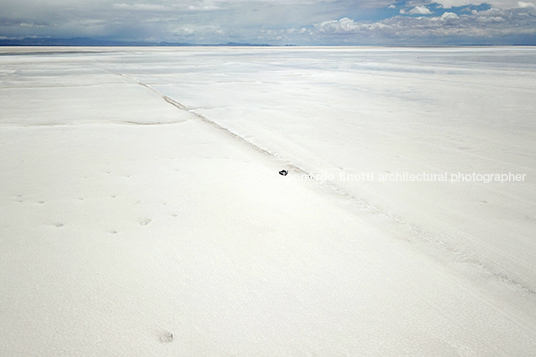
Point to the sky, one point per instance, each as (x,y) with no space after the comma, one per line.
(276,22)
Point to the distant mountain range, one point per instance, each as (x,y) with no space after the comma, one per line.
(85,41)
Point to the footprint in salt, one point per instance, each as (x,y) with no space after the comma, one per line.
(166,337)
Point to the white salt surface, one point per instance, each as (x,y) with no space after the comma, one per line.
(142,213)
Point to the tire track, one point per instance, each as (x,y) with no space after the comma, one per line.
(204,119)
(419,234)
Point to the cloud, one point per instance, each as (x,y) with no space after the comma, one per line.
(525,4)
(490,19)
(448,16)
(23,24)
(417,10)
(346,26)
(195,29)
(492,26)
(447,4)
(209,7)
(500,4)
(141,7)
(343,25)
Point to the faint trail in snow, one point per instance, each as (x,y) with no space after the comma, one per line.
(416,231)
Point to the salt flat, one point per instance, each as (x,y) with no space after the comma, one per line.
(142,213)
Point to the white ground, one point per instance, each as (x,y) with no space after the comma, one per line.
(140,197)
